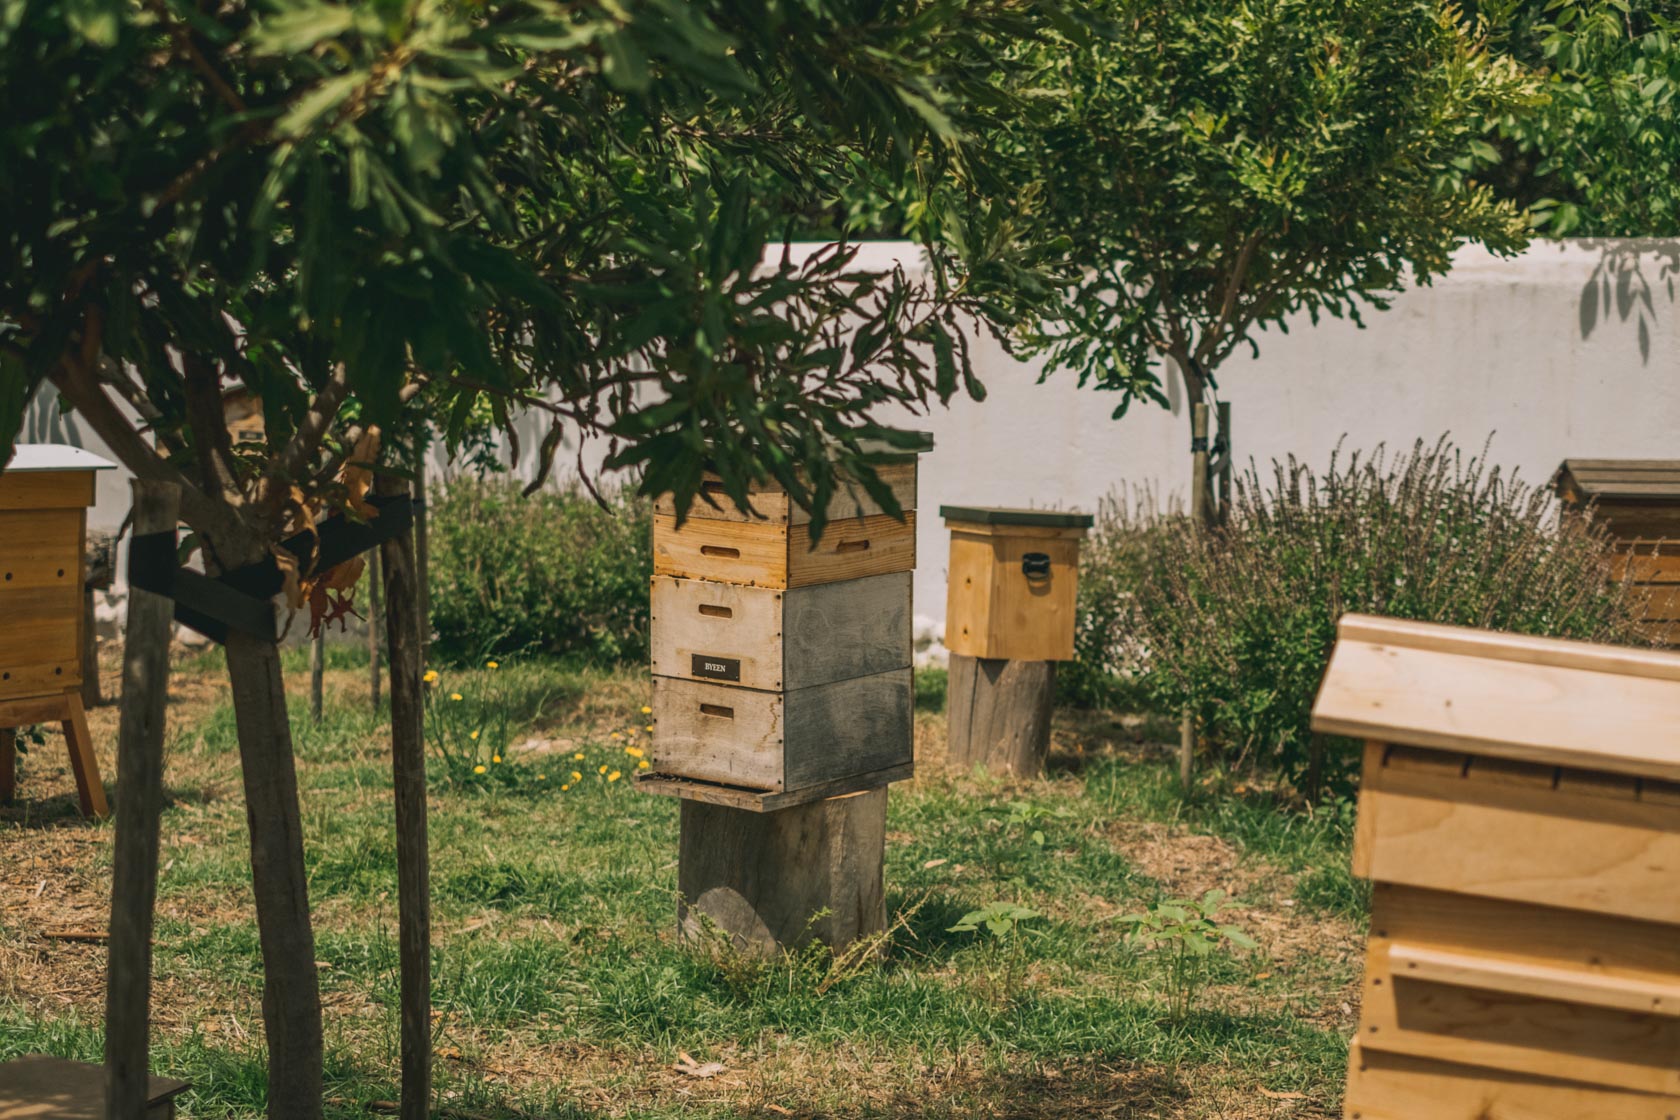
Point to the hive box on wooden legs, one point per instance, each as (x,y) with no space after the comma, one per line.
(1013,582)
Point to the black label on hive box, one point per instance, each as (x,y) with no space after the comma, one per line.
(717,668)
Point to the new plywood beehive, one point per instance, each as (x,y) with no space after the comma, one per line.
(1520,820)
(782,664)
(1638,503)
(1013,582)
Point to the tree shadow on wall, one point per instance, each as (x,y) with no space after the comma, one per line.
(1630,276)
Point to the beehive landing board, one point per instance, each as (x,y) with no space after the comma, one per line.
(775,640)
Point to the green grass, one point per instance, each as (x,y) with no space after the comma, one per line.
(564,992)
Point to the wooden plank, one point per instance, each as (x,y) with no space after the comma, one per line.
(1521,649)
(852,549)
(1495,973)
(1420,760)
(1000,714)
(1032,617)
(1037,532)
(841,631)
(757,801)
(1545,1038)
(1365,821)
(1659,792)
(23,711)
(714,733)
(84,764)
(1645,569)
(38,1087)
(849,727)
(39,548)
(1658,602)
(735,627)
(968,593)
(1531,845)
(1597,783)
(1386,1086)
(1605,944)
(46,490)
(1510,772)
(772,504)
(770,882)
(1486,705)
(754,553)
(39,646)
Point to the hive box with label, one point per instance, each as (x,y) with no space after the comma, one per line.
(1519,816)
(782,665)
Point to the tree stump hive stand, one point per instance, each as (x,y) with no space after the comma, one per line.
(44,495)
(782,707)
(38,1087)
(1519,817)
(1638,503)
(1012,589)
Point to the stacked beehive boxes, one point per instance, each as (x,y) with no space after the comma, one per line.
(1638,503)
(1519,816)
(781,663)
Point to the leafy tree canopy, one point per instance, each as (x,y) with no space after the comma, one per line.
(1215,167)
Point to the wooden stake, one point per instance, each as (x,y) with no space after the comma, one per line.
(317,671)
(779,880)
(1226,458)
(145,693)
(1201,516)
(408,768)
(373,629)
(1000,714)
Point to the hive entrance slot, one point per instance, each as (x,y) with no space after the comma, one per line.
(721,551)
(852,546)
(717,710)
(710,611)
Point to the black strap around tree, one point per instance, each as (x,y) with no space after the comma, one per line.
(241,599)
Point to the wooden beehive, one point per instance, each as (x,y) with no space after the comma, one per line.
(1520,820)
(40,1087)
(1638,503)
(44,495)
(1013,582)
(782,665)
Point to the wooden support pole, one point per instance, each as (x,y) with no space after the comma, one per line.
(1201,515)
(145,694)
(408,769)
(779,880)
(373,629)
(1226,458)
(317,673)
(8,765)
(1000,714)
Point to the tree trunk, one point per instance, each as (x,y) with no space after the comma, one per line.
(1000,714)
(422,552)
(408,770)
(291,987)
(373,628)
(145,693)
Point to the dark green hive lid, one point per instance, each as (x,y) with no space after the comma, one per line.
(1001,515)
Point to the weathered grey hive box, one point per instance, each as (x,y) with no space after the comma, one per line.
(1638,503)
(1519,816)
(39,1087)
(782,666)
(1013,583)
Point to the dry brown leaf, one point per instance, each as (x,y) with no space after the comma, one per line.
(1271,1095)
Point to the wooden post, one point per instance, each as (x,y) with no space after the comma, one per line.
(373,629)
(408,769)
(1226,457)
(1201,516)
(317,671)
(145,693)
(1000,714)
(8,765)
(779,880)
(422,549)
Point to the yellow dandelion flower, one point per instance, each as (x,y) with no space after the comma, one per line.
(634,752)
(492,664)
(650,727)
(454,695)
(616,735)
(614,776)
(643,764)
(478,769)
(563,789)
(603,769)
(542,777)
(576,776)
(646,711)
(578,756)
(473,736)
(431,676)
(495,758)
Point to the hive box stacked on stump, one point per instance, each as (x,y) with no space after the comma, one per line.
(1638,503)
(1520,819)
(782,706)
(1012,588)
(44,495)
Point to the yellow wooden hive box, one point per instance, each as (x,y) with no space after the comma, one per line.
(1519,817)
(1637,501)
(1013,582)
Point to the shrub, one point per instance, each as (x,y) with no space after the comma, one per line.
(1236,624)
(553,574)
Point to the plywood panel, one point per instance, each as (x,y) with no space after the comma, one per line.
(852,549)
(1386,1086)
(1606,855)
(46,490)
(849,727)
(718,734)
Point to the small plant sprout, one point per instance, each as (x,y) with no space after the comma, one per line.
(1027,816)
(1003,952)
(1002,920)
(1185,934)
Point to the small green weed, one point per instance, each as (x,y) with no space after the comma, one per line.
(1185,934)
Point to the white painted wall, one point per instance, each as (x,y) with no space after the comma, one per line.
(1512,347)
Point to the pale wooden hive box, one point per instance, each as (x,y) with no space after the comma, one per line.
(1638,503)
(44,495)
(782,667)
(1013,582)
(1519,816)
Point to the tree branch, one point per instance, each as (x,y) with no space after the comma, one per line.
(316,423)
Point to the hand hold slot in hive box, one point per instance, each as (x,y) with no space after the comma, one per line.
(1519,815)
